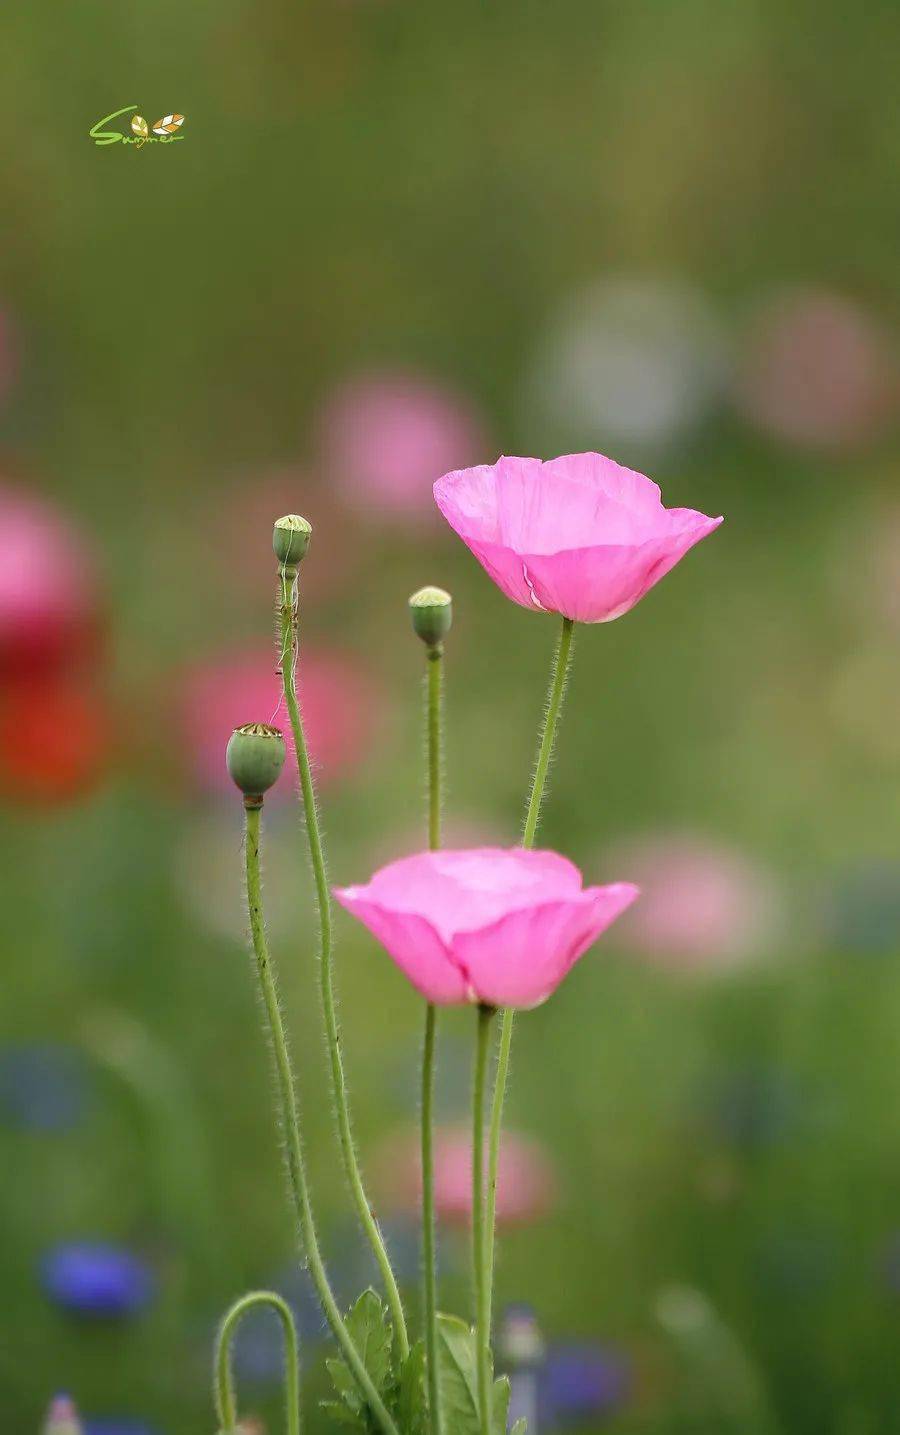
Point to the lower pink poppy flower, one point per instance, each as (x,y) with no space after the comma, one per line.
(487,924)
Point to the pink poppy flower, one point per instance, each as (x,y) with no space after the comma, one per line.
(485,924)
(387,436)
(336,696)
(48,600)
(526,1179)
(578,535)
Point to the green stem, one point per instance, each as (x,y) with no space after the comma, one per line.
(479,1233)
(556,692)
(435,744)
(226,1405)
(323,897)
(429,1245)
(291,1125)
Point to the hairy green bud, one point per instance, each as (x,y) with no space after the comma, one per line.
(290,539)
(255,756)
(431,610)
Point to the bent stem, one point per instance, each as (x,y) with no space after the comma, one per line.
(429,1246)
(479,1233)
(291,1122)
(323,899)
(223,1381)
(556,692)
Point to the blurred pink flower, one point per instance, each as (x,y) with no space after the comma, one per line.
(49,613)
(386,436)
(703,904)
(485,924)
(526,1180)
(339,704)
(578,535)
(818,371)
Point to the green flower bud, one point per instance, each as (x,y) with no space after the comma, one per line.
(255,756)
(290,539)
(431,610)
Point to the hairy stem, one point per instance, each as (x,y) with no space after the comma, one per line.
(291,1123)
(555,694)
(479,1232)
(288,610)
(223,1382)
(429,1246)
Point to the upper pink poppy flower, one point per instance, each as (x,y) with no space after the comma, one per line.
(579,535)
(485,924)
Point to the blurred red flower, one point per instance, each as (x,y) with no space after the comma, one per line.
(56,738)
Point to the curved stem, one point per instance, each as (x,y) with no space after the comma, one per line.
(291,1124)
(323,898)
(479,1233)
(226,1405)
(558,677)
(429,1244)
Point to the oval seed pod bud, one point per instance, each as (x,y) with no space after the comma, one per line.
(290,539)
(431,610)
(255,756)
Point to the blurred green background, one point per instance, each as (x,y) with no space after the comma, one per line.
(396,239)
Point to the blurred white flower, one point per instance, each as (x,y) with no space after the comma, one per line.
(631,361)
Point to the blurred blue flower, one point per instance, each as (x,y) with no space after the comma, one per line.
(581,1381)
(91,1278)
(753,1106)
(42,1086)
(864,910)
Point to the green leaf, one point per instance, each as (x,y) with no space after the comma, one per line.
(410,1405)
(500,1405)
(373,1337)
(520,1426)
(458,1375)
(344,1383)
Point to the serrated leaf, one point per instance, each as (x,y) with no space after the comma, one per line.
(373,1337)
(458,1375)
(500,1405)
(410,1404)
(339,1411)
